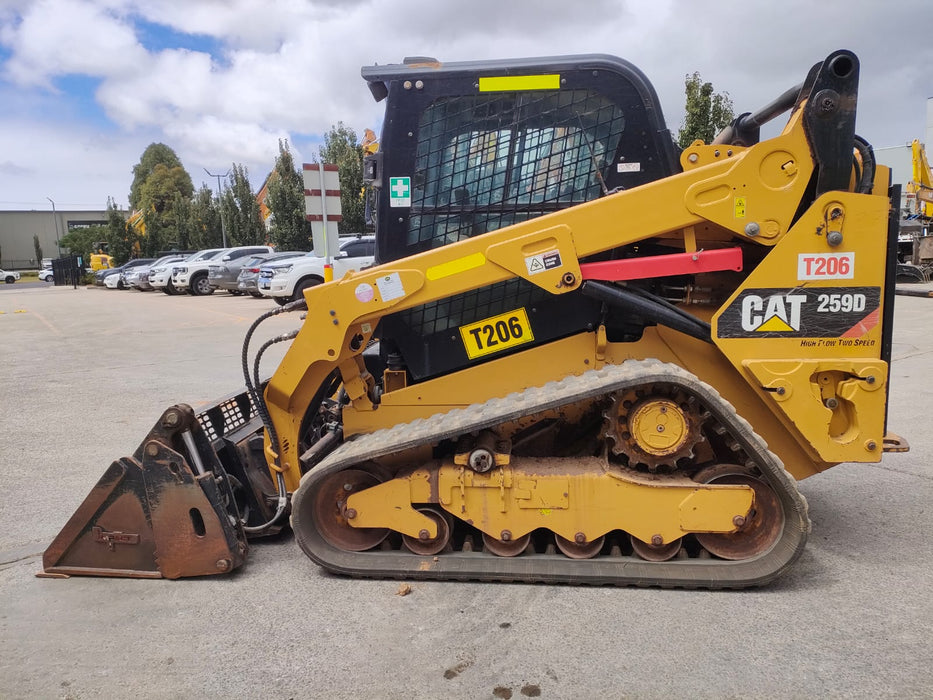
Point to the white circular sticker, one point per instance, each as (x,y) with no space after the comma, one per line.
(364,292)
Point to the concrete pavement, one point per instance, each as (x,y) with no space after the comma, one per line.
(85,373)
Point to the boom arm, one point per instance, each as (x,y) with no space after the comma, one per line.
(772,178)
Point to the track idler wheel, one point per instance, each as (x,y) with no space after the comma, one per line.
(506,547)
(331,515)
(656,552)
(430,546)
(579,550)
(758,532)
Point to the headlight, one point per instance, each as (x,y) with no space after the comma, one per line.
(179,270)
(281,270)
(156,270)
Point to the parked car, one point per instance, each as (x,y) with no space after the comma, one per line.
(287,280)
(192,275)
(113,278)
(225,274)
(247,280)
(46,274)
(9,277)
(160,276)
(138,278)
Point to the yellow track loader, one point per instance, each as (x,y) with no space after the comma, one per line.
(583,356)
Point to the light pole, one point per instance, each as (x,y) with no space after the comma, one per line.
(223,226)
(58,243)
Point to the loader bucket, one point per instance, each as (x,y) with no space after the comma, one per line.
(168,511)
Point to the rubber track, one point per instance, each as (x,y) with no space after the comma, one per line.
(556,568)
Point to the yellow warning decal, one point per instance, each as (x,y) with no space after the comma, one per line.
(468,262)
(520,82)
(740,207)
(496,333)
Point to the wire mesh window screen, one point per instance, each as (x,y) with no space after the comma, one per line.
(487,161)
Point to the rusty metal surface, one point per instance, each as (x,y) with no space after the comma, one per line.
(579,550)
(755,534)
(656,552)
(152,516)
(330,514)
(506,547)
(429,546)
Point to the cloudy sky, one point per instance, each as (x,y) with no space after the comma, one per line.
(86,85)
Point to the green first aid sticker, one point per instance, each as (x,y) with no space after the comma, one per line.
(399,191)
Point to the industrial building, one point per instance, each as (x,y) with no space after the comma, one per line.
(17,229)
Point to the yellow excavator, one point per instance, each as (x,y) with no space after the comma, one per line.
(583,356)
(921,182)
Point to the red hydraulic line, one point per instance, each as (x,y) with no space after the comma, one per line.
(664,265)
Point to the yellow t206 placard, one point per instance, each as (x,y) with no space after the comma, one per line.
(496,333)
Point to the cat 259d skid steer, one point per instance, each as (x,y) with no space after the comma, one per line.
(580,359)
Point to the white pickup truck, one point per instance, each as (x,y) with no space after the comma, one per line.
(192,275)
(9,277)
(287,280)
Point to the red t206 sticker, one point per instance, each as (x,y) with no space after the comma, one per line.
(825,266)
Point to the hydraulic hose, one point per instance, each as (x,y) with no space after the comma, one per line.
(261,409)
(867,154)
(649,307)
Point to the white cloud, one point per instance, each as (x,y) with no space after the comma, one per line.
(291,67)
(77,167)
(58,37)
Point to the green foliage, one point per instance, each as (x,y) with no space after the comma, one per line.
(38,249)
(289,229)
(342,147)
(155,154)
(122,240)
(205,230)
(242,218)
(157,199)
(160,188)
(181,214)
(84,241)
(155,239)
(706,112)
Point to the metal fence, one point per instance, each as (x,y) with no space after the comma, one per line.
(67,271)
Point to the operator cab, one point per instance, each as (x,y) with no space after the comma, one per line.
(474,147)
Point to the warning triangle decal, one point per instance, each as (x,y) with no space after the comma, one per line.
(775,323)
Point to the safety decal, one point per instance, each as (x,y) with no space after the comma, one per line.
(802,312)
(496,333)
(738,206)
(542,262)
(364,292)
(508,83)
(399,191)
(825,266)
(390,287)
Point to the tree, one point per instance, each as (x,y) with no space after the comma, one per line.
(155,154)
(158,178)
(342,147)
(706,112)
(157,199)
(240,210)
(84,241)
(289,230)
(205,229)
(181,214)
(122,240)
(38,248)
